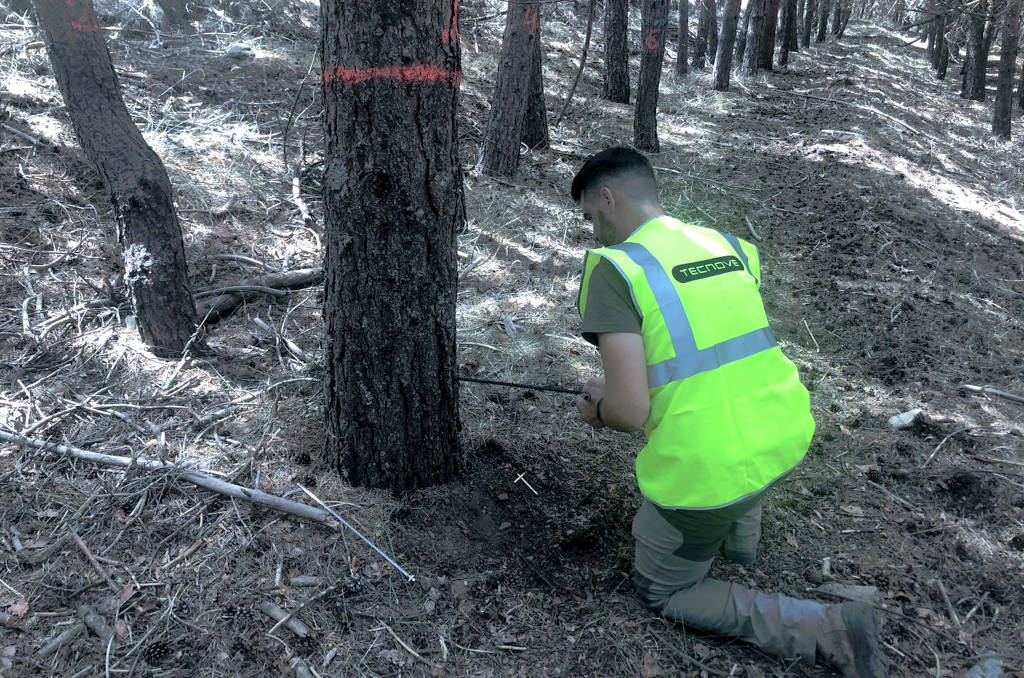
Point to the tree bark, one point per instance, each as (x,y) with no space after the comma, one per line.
(755,32)
(789,41)
(940,40)
(723,59)
(156,273)
(741,37)
(1020,90)
(616,55)
(508,108)
(1007,62)
(535,123)
(808,22)
(684,37)
(654,19)
(393,201)
(943,67)
(766,44)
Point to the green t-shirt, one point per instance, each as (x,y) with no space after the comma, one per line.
(609,304)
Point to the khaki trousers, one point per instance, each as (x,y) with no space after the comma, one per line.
(674,551)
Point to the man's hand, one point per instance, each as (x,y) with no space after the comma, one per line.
(587,403)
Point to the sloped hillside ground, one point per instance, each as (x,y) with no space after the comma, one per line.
(891,237)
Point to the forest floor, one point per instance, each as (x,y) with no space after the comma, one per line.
(893,257)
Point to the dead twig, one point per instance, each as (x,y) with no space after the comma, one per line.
(405,645)
(939,446)
(281,617)
(61,640)
(949,605)
(92,559)
(95,623)
(196,478)
(583,63)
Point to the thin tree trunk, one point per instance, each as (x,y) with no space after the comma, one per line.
(535,124)
(940,72)
(684,37)
(148,231)
(723,59)
(809,21)
(1007,62)
(616,57)
(393,201)
(1020,90)
(741,38)
(789,41)
(931,27)
(508,109)
(654,19)
(837,17)
(824,7)
(755,32)
(940,40)
(583,64)
(766,44)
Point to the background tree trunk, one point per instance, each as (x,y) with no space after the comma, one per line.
(789,41)
(1007,67)
(156,273)
(947,46)
(972,86)
(755,31)
(700,45)
(809,21)
(654,19)
(824,7)
(713,29)
(1020,90)
(512,85)
(616,56)
(766,43)
(684,37)
(741,37)
(393,201)
(940,40)
(723,59)
(801,9)
(535,123)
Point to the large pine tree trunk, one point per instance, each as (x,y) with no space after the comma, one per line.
(837,17)
(654,19)
(156,273)
(723,59)
(972,86)
(392,189)
(508,108)
(808,22)
(766,43)
(947,47)
(535,124)
(741,37)
(684,36)
(616,55)
(824,7)
(1007,61)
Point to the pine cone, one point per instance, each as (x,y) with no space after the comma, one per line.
(157,653)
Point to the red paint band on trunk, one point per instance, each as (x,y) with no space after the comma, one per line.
(418,73)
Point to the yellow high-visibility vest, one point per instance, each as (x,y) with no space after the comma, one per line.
(729,415)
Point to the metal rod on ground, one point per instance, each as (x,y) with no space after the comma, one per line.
(357,533)
(532,387)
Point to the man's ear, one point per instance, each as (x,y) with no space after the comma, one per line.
(608,197)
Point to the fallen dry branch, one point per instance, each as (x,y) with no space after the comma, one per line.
(220,306)
(281,617)
(993,391)
(96,623)
(851,104)
(61,640)
(196,478)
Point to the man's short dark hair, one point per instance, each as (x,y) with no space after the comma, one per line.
(608,163)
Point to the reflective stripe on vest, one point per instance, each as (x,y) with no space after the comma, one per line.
(689,360)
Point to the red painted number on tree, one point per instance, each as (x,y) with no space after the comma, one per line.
(651,40)
(531,20)
(85,21)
